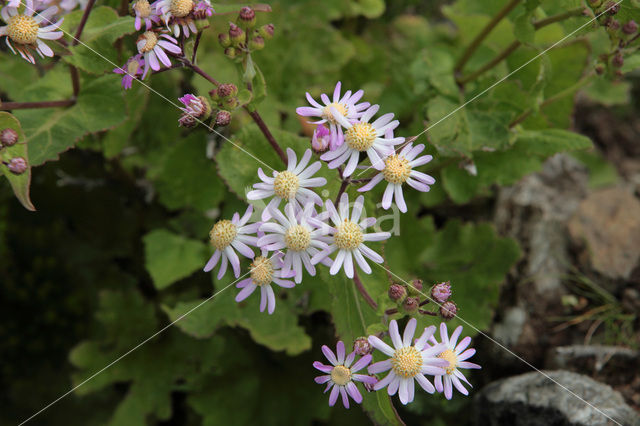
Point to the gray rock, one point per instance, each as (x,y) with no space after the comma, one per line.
(532,399)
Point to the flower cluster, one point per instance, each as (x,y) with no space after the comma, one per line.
(243,36)
(352,133)
(16,165)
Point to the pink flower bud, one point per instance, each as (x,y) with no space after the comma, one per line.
(397,293)
(448,310)
(630,27)
(8,137)
(618,60)
(320,140)
(362,346)
(441,292)
(223,118)
(17,165)
(227,89)
(612,8)
(415,288)
(247,16)
(411,305)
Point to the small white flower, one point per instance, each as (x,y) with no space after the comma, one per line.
(399,169)
(407,362)
(346,107)
(227,235)
(291,185)
(24,32)
(456,357)
(348,236)
(264,272)
(295,234)
(362,136)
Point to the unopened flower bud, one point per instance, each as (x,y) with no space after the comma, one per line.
(213,93)
(612,8)
(448,310)
(362,346)
(8,137)
(630,27)
(415,288)
(613,25)
(247,16)
(256,43)
(227,90)
(599,69)
(267,31)
(618,60)
(17,165)
(397,293)
(441,292)
(236,34)
(230,103)
(202,10)
(224,39)
(230,52)
(187,120)
(320,140)
(223,118)
(410,305)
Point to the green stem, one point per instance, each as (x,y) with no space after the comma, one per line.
(470,50)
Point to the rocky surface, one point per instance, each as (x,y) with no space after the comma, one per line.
(559,398)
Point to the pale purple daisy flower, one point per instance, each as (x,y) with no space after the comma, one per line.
(152,47)
(295,233)
(456,357)
(346,107)
(145,13)
(407,362)
(227,236)
(24,32)
(321,139)
(291,185)
(176,14)
(131,70)
(265,271)
(341,374)
(202,10)
(348,236)
(362,136)
(399,169)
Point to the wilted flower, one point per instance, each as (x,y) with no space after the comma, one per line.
(407,362)
(131,70)
(362,136)
(295,234)
(177,15)
(456,357)
(24,31)
(144,13)
(227,236)
(348,236)
(346,107)
(448,310)
(195,108)
(202,10)
(441,292)
(291,185)
(321,139)
(264,272)
(399,169)
(341,374)
(152,48)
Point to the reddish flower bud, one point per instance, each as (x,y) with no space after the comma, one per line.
(613,24)
(415,288)
(599,69)
(235,33)
(8,137)
(612,8)
(267,31)
(247,16)
(224,39)
(187,120)
(17,165)
(223,118)
(397,293)
(362,346)
(227,90)
(448,310)
(630,27)
(618,60)
(256,43)
(411,305)
(441,292)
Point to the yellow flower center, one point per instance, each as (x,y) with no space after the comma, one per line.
(396,169)
(340,375)
(406,362)
(297,238)
(349,236)
(326,111)
(360,136)
(181,8)
(262,271)
(151,39)
(222,234)
(450,356)
(286,185)
(143,8)
(22,29)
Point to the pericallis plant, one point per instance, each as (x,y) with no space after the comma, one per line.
(310,230)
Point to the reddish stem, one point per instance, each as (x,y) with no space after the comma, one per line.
(363,291)
(5,106)
(83,21)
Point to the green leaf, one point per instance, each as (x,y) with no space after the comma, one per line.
(96,52)
(170,257)
(117,139)
(550,141)
(19,183)
(99,107)
(523,29)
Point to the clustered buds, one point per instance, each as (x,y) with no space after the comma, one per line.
(16,165)
(8,137)
(225,97)
(242,36)
(408,299)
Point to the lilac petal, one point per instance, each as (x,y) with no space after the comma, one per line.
(308,112)
(333,397)
(329,354)
(387,197)
(384,382)
(402,206)
(271,300)
(392,389)
(409,331)
(380,345)
(453,340)
(361,363)
(263,298)
(337,263)
(437,381)
(213,260)
(345,398)
(448,389)
(246,292)
(340,352)
(324,368)
(364,379)
(426,334)
(354,392)
(464,343)
(404,391)
(425,383)
(380,367)
(467,364)
(322,379)
(234,260)
(336,92)
(458,385)
(348,264)
(224,262)
(362,263)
